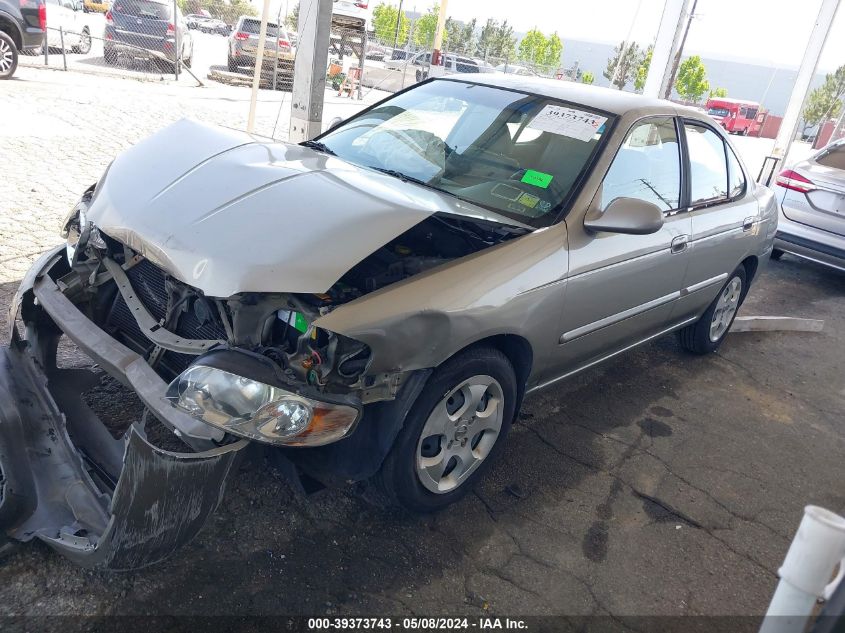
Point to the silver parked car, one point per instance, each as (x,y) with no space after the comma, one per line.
(372,304)
(243,46)
(812,197)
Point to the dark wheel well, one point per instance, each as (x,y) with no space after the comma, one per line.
(519,353)
(750,264)
(11,29)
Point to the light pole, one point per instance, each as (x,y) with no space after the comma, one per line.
(398,24)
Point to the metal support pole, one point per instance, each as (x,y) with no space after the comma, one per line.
(668,40)
(177,52)
(676,61)
(815,45)
(276,60)
(46,49)
(438,34)
(259,61)
(64,53)
(309,77)
(398,24)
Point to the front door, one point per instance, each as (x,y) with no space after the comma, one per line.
(623,288)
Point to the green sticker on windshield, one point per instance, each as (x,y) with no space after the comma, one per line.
(537,178)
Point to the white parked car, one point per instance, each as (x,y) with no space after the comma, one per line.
(66,18)
(352,14)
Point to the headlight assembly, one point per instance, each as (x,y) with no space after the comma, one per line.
(258,411)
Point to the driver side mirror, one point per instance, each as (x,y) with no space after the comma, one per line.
(627,215)
(334,123)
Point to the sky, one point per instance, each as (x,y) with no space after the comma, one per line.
(773,31)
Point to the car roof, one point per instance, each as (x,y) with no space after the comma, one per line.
(606,99)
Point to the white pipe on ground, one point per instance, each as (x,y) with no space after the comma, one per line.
(805,574)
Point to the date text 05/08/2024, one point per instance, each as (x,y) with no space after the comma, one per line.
(418,624)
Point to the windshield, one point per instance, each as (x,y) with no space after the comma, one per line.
(514,153)
(718,112)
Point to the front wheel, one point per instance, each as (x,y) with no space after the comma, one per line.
(706,334)
(8,56)
(453,432)
(84,46)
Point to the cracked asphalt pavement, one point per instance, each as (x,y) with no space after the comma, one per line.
(658,483)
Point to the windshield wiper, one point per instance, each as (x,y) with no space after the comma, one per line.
(319,146)
(403,177)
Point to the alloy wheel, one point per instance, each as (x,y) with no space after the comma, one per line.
(726,308)
(459,433)
(7,57)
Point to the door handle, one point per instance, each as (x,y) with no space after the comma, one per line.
(679,244)
(748,223)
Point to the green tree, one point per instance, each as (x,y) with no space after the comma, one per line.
(554,49)
(292,19)
(719,93)
(426,27)
(497,40)
(642,69)
(622,67)
(460,36)
(532,47)
(588,77)
(825,102)
(384,24)
(692,82)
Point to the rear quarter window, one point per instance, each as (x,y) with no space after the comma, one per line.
(834,157)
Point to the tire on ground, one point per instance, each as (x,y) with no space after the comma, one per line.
(695,338)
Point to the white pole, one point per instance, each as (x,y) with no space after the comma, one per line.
(259,60)
(819,544)
(815,45)
(665,46)
(438,33)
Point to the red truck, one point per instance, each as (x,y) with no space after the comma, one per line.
(735,115)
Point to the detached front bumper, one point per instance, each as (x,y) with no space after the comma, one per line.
(103,502)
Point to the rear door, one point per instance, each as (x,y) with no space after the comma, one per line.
(724,215)
(822,204)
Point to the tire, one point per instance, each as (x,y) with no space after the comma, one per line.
(776,254)
(84,46)
(8,56)
(187,62)
(110,57)
(705,335)
(233,66)
(419,75)
(404,478)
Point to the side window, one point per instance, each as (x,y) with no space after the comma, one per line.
(737,178)
(708,169)
(647,166)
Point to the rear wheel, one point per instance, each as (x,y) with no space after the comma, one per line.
(776,254)
(233,66)
(706,334)
(110,57)
(8,56)
(453,432)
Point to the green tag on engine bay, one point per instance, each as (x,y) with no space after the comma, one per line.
(537,178)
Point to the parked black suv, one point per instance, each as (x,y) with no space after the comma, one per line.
(23,24)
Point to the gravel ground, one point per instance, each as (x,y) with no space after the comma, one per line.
(659,483)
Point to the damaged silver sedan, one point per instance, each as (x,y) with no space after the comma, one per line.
(370,305)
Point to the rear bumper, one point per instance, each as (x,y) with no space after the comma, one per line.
(810,243)
(103,502)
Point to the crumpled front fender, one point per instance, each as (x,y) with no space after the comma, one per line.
(59,489)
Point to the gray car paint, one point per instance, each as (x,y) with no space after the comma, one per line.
(229,213)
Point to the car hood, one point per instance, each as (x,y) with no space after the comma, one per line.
(227,212)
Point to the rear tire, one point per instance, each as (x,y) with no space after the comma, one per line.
(430,467)
(776,254)
(8,56)
(233,66)
(84,46)
(110,57)
(706,335)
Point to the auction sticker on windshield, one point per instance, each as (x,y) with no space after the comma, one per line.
(569,122)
